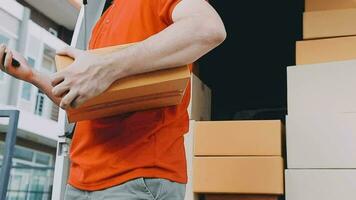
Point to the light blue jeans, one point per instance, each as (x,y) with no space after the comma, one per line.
(137,189)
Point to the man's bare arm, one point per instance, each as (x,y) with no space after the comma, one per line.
(196,30)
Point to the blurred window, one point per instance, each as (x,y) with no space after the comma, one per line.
(31,174)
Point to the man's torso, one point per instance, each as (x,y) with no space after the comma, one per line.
(110,151)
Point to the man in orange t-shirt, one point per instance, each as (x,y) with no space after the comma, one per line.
(138,155)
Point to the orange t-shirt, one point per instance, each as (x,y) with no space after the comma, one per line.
(110,151)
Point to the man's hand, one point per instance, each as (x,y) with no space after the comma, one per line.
(24,72)
(86,78)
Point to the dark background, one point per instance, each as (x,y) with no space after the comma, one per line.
(248,71)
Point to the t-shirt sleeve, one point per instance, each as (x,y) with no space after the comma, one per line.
(166,8)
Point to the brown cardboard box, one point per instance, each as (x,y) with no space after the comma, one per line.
(238,138)
(313,5)
(241,175)
(239,197)
(325,50)
(140,92)
(330,23)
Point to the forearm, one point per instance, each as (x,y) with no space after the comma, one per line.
(181,43)
(43,83)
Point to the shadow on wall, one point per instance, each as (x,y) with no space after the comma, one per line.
(248,72)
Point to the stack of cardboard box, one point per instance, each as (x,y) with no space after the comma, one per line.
(321,121)
(138,92)
(238,160)
(329,30)
(321,132)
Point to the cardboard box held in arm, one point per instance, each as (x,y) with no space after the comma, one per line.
(238,175)
(238,138)
(239,197)
(313,5)
(329,23)
(325,50)
(322,88)
(200,102)
(320,184)
(321,141)
(140,92)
